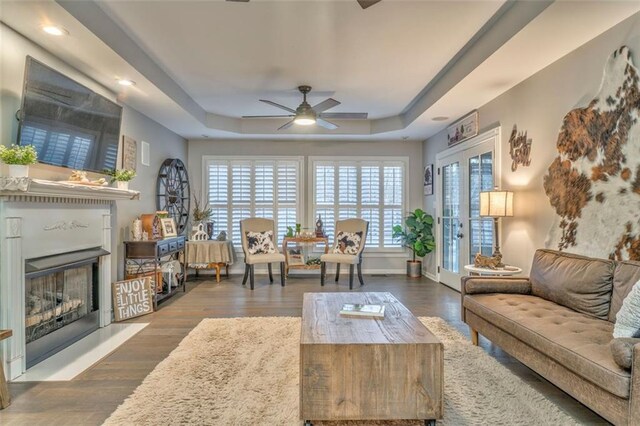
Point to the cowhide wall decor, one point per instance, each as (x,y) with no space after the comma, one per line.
(594,182)
(519,149)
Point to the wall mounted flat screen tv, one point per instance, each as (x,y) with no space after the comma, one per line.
(68,124)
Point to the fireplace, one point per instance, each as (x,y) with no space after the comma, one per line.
(61,301)
(55,266)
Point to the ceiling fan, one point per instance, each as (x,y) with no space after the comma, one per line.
(306,115)
(363,3)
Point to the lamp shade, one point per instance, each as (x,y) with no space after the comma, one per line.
(496,203)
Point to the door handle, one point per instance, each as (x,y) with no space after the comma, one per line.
(460,235)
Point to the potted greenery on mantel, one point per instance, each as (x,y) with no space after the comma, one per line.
(122,177)
(417,236)
(18,158)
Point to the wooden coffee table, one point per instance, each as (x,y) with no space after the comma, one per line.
(365,368)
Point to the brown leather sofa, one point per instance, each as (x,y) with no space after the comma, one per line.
(559,322)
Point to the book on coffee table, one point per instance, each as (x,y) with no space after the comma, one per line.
(359,310)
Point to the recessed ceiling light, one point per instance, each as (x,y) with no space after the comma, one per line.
(125,82)
(440,118)
(54,30)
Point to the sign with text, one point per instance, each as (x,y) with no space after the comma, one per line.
(132,298)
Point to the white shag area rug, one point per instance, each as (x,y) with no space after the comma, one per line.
(245,371)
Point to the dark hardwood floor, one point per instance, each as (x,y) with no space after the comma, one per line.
(92,396)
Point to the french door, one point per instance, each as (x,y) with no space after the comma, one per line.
(462,174)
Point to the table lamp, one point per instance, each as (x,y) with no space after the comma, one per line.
(496,204)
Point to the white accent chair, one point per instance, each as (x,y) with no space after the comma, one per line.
(353,260)
(260,225)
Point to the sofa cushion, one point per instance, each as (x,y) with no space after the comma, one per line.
(622,351)
(577,341)
(625,276)
(577,282)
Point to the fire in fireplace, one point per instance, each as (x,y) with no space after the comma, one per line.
(61,302)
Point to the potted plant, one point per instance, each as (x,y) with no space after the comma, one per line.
(202,214)
(18,158)
(122,178)
(417,236)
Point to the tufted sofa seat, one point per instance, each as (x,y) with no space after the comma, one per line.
(559,322)
(570,338)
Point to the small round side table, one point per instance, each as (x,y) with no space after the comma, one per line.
(506,271)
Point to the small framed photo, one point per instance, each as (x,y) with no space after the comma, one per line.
(168,227)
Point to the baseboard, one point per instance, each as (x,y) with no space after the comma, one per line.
(276,271)
(431,276)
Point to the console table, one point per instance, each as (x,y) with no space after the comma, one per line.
(145,258)
(5,397)
(210,254)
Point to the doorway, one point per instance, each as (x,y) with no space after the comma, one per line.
(462,173)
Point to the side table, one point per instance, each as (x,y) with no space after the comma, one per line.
(210,254)
(505,271)
(302,241)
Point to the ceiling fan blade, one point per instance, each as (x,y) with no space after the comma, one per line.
(326,124)
(278,105)
(240,1)
(286,126)
(325,105)
(367,3)
(267,116)
(345,115)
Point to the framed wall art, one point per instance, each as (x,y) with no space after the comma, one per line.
(129,153)
(428,180)
(465,128)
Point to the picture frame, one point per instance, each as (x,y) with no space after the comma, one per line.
(463,129)
(428,179)
(129,157)
(168,227)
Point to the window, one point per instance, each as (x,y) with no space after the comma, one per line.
(373,190)
(241,187)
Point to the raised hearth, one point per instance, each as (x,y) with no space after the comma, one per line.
(55,237)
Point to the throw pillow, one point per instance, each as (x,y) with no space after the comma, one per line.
(628,317)
(348,243)
(622,351)
(260,242)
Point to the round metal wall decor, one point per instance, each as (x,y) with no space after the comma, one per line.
(173,192)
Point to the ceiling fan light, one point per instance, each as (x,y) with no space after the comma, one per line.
(304,121)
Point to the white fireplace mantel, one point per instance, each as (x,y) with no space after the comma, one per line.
(46,188)
(42,218)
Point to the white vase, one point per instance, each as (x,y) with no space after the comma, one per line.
(18,171)
(122,185)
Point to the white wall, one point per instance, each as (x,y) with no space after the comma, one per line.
(379,263)
(538,105)
(163,143)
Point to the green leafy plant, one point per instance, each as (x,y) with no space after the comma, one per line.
(200,212)
(18,155)
(122,175)
(417,234)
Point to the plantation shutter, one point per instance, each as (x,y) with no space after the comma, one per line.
(371,190)
(242,188)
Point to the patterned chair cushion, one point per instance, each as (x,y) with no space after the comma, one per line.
(348,243)
(260,242)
